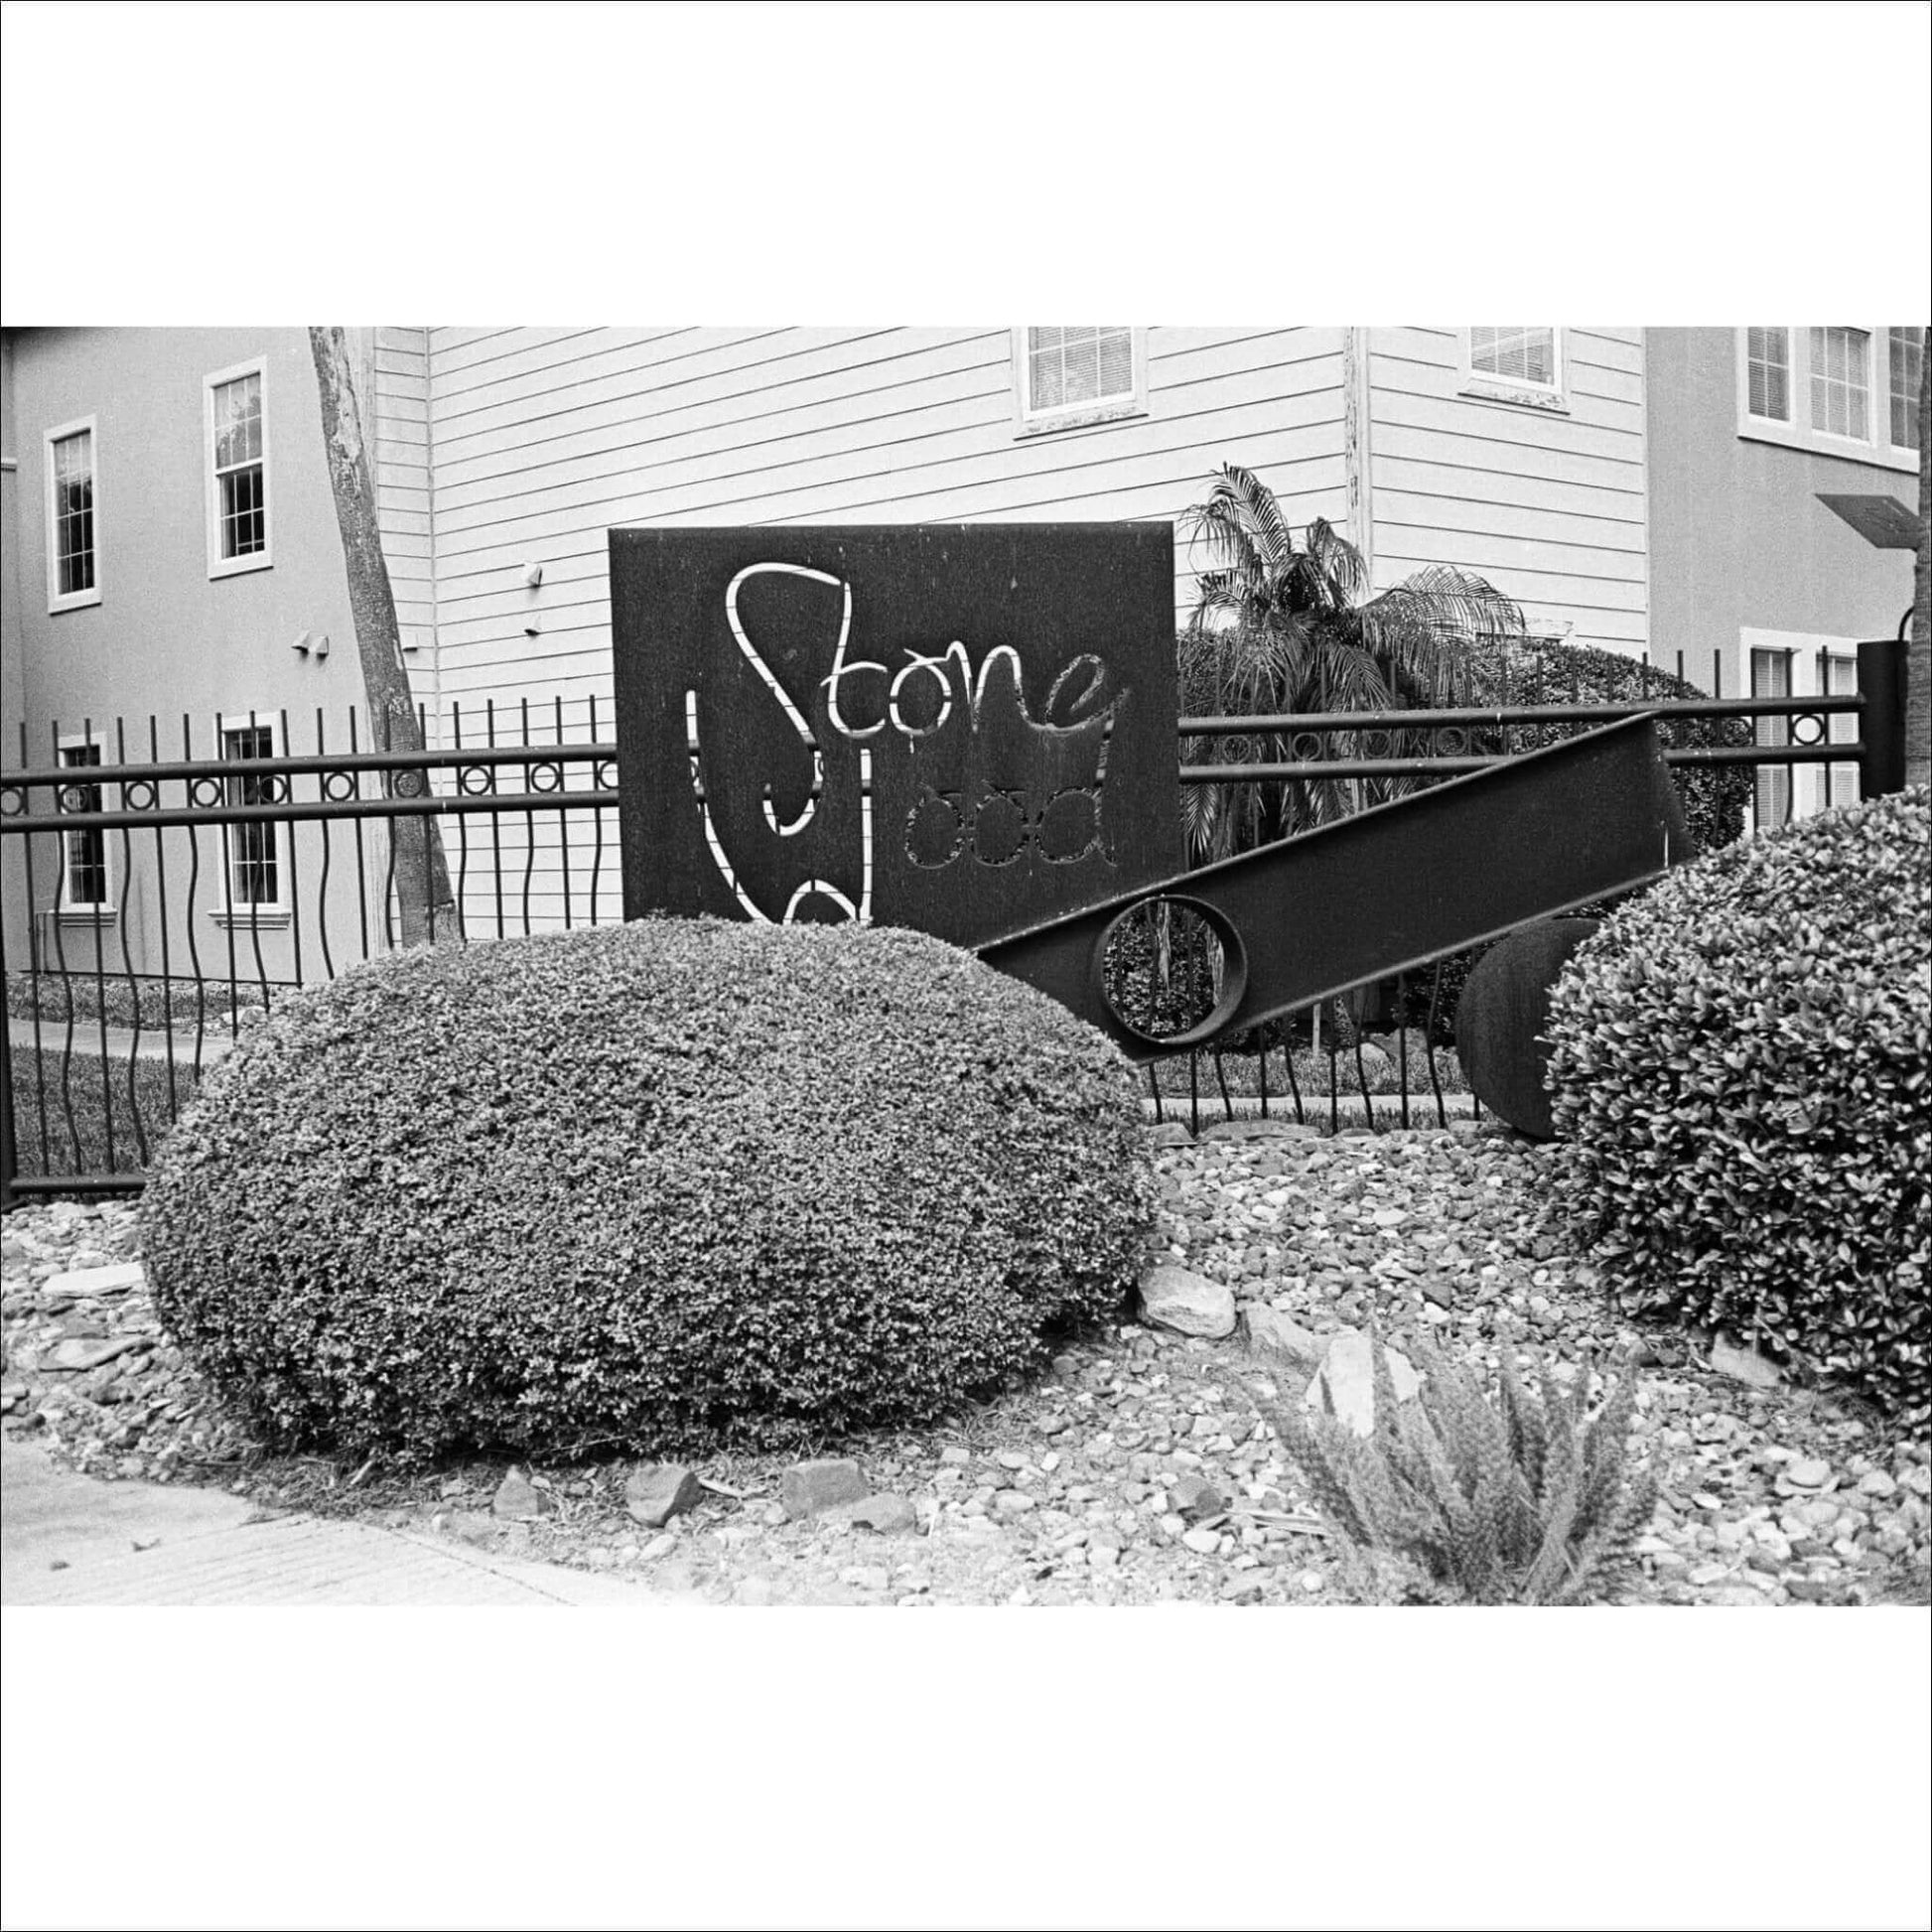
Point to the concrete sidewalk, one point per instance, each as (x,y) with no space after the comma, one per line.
(68,1539)
(120,1043)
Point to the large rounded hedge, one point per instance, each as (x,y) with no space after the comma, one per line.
(661,1186)
(1741,1066)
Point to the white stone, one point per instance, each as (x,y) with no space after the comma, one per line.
(1743,1364)
(1186,1302)
(1347,1384)
(81,1282)
(1272,1331)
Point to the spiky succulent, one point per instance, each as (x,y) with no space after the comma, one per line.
(1529,1501)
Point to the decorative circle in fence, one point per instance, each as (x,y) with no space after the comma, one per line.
(1170,971)
(339,786)
(407,783)
(546,776)
(139,795)
(604,775)
(205,794)
(1808,728)
(475,780)
(1503,1015)
(13,801)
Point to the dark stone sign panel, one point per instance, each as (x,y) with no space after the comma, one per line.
(963,728)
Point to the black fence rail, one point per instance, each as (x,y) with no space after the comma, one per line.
(160,903)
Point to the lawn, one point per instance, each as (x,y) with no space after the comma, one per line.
(92,1106)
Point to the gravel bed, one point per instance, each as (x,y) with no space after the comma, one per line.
(1138,1470)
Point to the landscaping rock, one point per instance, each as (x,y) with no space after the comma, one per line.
(1270,1331)
(1189,1303)
(82,1282)
(1170,1132)
(1745,1365)
(74,1356)
(517,1498)
(654,1492)
(1193,1497)
(1254,1128)
(886,1515)
(807,1488)
(1346,1383)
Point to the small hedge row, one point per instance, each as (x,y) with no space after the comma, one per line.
(1740,1066)
(661,1186)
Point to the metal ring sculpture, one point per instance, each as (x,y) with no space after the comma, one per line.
(1234,971)
(1808,728)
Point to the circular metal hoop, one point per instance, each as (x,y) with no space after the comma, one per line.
(13,801)
(407,783)
(205,793)
(1234,973)
(1450,741)
(1304,748)
(339,786)
(604,775)
(1808,728)
(475,780)
(139,795)
(71,798)
(546,775)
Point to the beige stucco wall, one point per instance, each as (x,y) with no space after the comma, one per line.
(166,639)
(1738,537)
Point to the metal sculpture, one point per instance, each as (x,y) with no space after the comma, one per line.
(972,730)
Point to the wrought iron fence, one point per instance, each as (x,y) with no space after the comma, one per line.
(165,901)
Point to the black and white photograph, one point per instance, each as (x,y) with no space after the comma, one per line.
(721,942)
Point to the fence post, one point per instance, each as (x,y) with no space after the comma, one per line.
(1882,724)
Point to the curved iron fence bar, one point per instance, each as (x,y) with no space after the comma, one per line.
(161,895)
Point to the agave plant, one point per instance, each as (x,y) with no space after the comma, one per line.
(1529,1503)
(1282,625)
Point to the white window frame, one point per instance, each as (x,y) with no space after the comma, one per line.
(1808,656)
(1028,421)
(80,910)
(1482,386)
(57,599)
(1874,447)
(262,559)
(265,913)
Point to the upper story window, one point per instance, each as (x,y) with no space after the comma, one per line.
(1518,364)
(1841,381)
(1905,352)
(1067,376)
(1838,389)
(1768,354)
(236,421)
(72,570)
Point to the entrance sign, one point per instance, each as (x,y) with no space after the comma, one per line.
(965,728)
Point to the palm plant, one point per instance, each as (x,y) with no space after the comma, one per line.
(1288,626)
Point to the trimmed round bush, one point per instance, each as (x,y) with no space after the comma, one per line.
(1739,1065)
(662,1188)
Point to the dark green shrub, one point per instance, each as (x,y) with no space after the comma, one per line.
(1741,1068)
(660,1187)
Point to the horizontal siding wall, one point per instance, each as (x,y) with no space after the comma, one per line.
(1549,508)
(544,439)
(400,375)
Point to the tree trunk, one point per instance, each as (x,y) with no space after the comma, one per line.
(428,908)
(1918,653)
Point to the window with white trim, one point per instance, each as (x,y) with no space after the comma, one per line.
(1767,356)
(1771,793)
(236,418)
(253,853)
(72,564)
(1066,375)
(1839,678)
(1905,357)
(1840,389)
(1516,364)
(1840,382)
(84,854)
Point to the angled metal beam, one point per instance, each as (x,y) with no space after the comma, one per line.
(1389,888)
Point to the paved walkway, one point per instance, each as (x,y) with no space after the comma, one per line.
(122,1043)
(68,1539)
